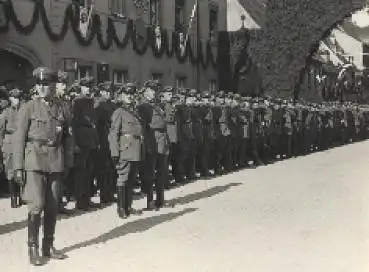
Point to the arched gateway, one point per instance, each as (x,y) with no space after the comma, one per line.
(291,32)
(16,65)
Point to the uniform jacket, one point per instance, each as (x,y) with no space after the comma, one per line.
(245,123)
(155,130)
(126,135)
(208,122)
(8,125)
(185,123)
(40,142)
(171,116)
(103,110)
(84,123)
(197,120)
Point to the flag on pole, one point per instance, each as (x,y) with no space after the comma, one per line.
(85,14)
(193,14)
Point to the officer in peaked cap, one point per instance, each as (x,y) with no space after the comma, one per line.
(86,142)
(221,94)
(41,168)
(131,87)
(105,85)
(61,85)
(126,132)
(193,92)
(206,94)
(62,77)
(103,171)
(155,167)
(167,94)
(86,81)
(4,96)
(44,75)
(8,119)
(15,93)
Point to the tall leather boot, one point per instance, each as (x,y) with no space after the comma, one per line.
(13,198)
(33,232)
(121,207)
(150,204)
(48,250)
(129,199)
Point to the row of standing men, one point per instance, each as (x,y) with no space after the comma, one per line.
(79,139)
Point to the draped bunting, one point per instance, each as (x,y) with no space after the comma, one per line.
(170,47)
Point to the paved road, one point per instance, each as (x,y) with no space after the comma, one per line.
(304,214)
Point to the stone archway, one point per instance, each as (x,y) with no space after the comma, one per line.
(16,64)
(15,71)
(291,35)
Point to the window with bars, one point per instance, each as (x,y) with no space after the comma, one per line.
(120,76)
(155,12)
(83,71)
(179,16)
(157,76)
(180,82)
(212,86)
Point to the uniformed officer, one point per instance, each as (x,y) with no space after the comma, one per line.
(208,135)
(86,142)
(4,103)
(8,121)
(170,101)
(62,97)
(155,166)
(39,160)
(126,145)
(104,109)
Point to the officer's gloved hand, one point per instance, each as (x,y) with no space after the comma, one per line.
(19,178)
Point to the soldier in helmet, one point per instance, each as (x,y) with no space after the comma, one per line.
(86,142)
(40,158)
(126,145)
(8,121)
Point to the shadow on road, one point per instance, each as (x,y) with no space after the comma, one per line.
(201,195)
(136,226)
(14,226)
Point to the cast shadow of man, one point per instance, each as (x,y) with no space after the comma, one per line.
(14,226)
(202,194)
(136,226)
(18,225)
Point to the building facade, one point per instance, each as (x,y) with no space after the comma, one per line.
(120,40)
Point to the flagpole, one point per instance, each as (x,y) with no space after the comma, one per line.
(197,47)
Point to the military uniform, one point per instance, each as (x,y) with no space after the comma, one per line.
(104,109)
(126,145)
(208,135)
(156,140)
(8,125)
(86,144)
(39,159)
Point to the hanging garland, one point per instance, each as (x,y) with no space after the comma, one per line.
(169,46)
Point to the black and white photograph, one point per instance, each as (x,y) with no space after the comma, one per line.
(184,135)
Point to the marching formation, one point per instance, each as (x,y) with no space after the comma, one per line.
(74,142)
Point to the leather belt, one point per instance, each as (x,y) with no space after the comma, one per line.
(47,142)
(134,136)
